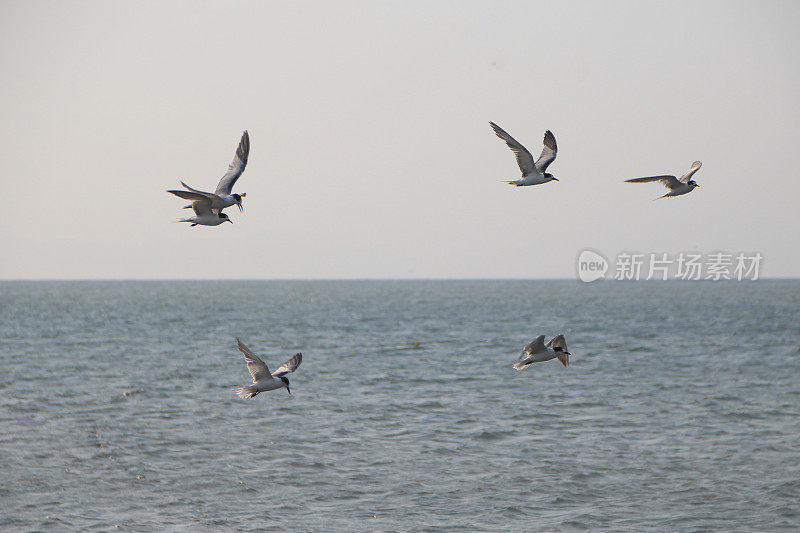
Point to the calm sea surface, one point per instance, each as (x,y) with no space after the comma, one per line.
(680,411)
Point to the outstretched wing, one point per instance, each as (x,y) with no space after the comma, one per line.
(236,167)
(289,366)
(200,201)
(695,167)
(548,152)
(524,157)
(558,342)
(201,204)
(258,368)
(668,181)
(204,193)
(195,194)
(188,195)
(534,347)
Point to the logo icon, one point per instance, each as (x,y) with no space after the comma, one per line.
(591,266)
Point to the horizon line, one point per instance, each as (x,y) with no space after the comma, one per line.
(774,278)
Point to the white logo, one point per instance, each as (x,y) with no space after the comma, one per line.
(591,266)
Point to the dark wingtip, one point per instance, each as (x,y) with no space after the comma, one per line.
(550,140)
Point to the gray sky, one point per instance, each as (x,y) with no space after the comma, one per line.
(371,153)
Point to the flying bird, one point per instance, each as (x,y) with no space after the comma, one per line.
(204,214)
(676,186)
(262,379)
(532,173)
(222,197)
(537,351)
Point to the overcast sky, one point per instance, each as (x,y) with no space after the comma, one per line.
(371,154)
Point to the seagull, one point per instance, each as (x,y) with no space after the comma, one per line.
(222,197)
(532,173)
(262,379)
(676,186)
(537,351)
(204,214)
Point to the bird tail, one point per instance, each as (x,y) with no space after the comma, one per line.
(247,392)
(187,206)
(520,365)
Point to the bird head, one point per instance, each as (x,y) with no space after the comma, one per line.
(238,198)
(550,177)
(286,384)
(225,218)
(693,183)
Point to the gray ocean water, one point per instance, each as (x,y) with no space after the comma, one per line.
(680,410)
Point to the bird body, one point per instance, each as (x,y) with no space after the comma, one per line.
(263,380)
(218,203)
(207,220)
(676,186)
(678,190)
(533,173)
(259,387)
(537,352)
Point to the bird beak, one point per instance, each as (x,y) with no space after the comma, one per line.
(555,179)
(229,220)
(240,207)
(288,390)
(696,185)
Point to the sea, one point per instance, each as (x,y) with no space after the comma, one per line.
(680,410)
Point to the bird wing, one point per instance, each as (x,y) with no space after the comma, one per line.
(201,204)
(558,342)
(534,347)
(193,195)
(258,368)
(548,152)
(695,167)
(668,181)
(524,157)
(236,167)
(209,194)
(289,366)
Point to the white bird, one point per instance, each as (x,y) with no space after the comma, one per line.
(222,197)
(204,214)
(262,379)
(537,351)
(532,173)
(676,186)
